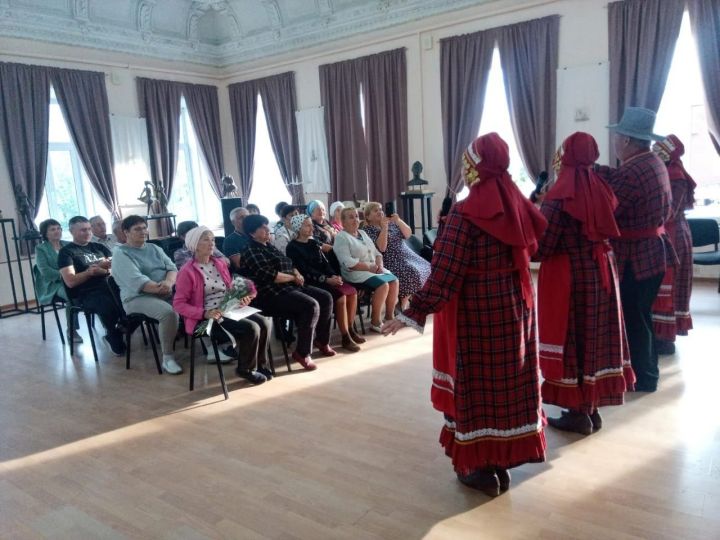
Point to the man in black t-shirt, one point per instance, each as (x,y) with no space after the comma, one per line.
(85,268)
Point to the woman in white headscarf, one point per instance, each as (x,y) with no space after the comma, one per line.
(200,287)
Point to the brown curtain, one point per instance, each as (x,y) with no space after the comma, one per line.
(82,97)
(642,36)
(243,107)
(384,84)
(204,112)
(278,96)
(347,151)
(24,119)
(705,23)
(464,67)
(529,59)
(161,103)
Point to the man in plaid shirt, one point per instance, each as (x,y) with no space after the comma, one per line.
(642,188)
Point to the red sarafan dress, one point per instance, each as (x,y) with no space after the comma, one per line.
(584,355)
(671,311)
(486,377)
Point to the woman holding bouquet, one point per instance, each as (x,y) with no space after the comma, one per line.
(201,287)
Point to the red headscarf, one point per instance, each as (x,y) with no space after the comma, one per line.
(496,205)
(673,148)
(584,194)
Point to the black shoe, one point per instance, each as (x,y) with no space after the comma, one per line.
(596,420)
(572,421)
(252,377)
(504,479)
(266,372)
(664,347)
(117,345)
(482,480)
(645,388)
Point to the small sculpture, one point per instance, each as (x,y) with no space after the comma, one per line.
(229,187)
(416,182)
(25,212)
(148,196)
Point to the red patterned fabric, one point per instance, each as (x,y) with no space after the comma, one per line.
(642,189)
(496,205)
(596,367)
(498,420)
(671,312)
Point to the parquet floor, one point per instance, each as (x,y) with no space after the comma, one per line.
(349,451)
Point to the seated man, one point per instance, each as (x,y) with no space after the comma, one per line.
(183,254)
(146,277)
(238,241)
(118,233)
(100,235)
(85,268)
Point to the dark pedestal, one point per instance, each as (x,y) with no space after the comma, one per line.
(408,201)
(227,206)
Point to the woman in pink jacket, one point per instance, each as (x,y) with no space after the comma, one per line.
(200,287)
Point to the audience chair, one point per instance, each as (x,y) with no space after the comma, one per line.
(75,307)
(131,323)
(217,361)
(705,232)
(57,301)
(364,302)
(283,331)
(169,245)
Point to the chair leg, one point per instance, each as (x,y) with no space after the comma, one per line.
(192,363)
(152,330)
(142,329)
(202,346)
(72,329)
(57,320)
(128,337)
(271,358)
(42,322)
(219,366)
(88,318)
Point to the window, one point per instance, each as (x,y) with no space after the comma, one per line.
(496,117)
(268,186)
(68,191)
(192,197)
(682,112)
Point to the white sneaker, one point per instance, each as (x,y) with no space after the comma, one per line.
(224,358)
(170,366)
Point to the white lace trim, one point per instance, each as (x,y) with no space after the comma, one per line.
(444,389)
(440,376)
(663,318)
(550,348)
(593,378)
(407,321)
(682,313)
(492,432)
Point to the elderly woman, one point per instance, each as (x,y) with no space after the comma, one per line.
(323,232)
(671,311)
(283,231)
(481,280)
(146,277)
(281,291)
(362,264)
(389,235)
(48,282)
(201,286)
(308,258)
(335,221)
(583,350)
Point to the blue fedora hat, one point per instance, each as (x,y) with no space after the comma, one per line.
(637,123)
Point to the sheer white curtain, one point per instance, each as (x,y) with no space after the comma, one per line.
(132,156)
(313,150)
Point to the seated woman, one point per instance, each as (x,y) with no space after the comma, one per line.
(201,286)
(335,221)
(362,264)
(308,258)
(389,234)
(281,291)
(323,232)
(48,282)
(283,232)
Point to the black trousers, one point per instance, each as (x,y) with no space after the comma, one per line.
(251,335)
(105,302)
(309,307)
(638,296)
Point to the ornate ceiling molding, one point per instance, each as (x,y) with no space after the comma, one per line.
(280,35)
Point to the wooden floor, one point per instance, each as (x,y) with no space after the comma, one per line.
(349,451)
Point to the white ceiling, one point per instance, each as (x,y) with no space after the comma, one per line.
(213,32)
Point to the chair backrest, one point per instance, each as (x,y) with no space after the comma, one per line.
(429,237)
(169,245)
(219,241)
(414,243)
(704,232)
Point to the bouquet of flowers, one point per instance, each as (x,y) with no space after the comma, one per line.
(239,289)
